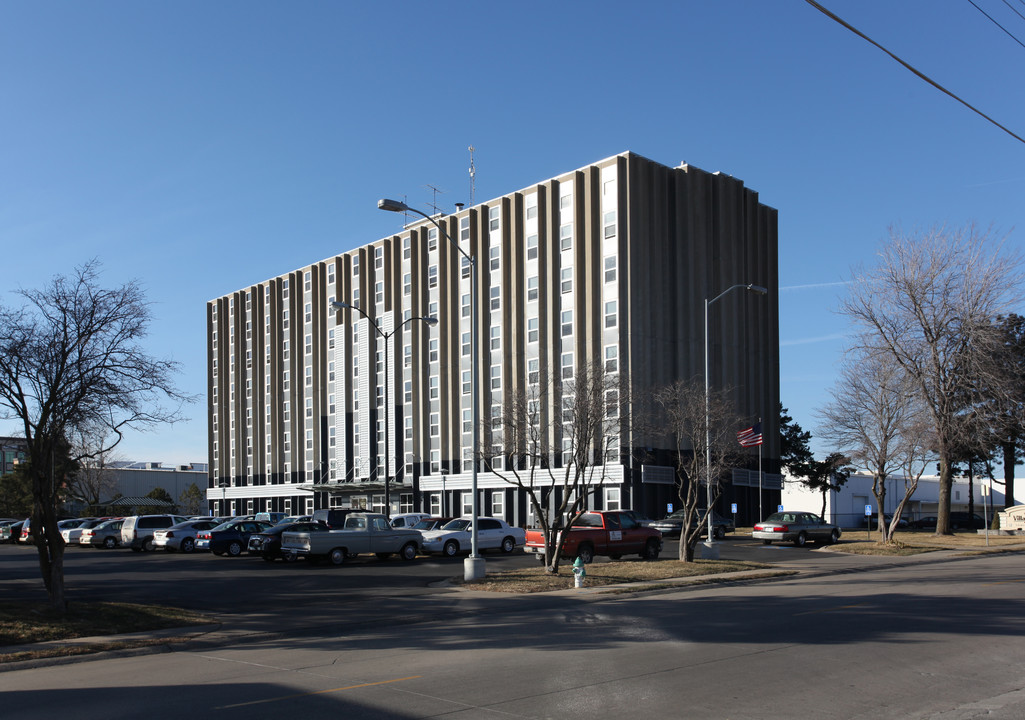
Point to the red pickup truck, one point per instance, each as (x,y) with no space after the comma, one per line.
(609,533)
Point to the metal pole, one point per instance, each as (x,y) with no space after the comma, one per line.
(387,429)
(708,435)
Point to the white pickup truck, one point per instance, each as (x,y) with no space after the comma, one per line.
(362,533)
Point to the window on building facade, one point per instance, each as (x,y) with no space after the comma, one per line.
(567,322)
(567,279)
(532,247)
(532,330)
(496,337)
(611,314)
(495,257)
(567,365)
(566,236)
(494,215)
(533,371)
(432,239)
(532,288)
(496,377)
(496,298)
(432,276)
(611,358)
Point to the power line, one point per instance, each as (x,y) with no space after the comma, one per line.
(992,20)
(929,80)
(1009,5)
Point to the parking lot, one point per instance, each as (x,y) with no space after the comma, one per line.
(210,583)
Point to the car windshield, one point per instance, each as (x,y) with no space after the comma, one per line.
(425,525)
(230,524)
(458,524)
(778,517)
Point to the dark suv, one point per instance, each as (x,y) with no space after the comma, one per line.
(137,530)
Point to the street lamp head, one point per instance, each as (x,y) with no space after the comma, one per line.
(758,289)
(340,305)
(392,205)
(431,320)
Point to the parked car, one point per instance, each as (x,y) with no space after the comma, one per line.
(270,517)
(964,521)
(105,535)
(407,520)
(10,532)
(432,523)
(642,520)
(137,530)
(672,524)
(873,521)
(183,535)
(924,523)
(231,537)
(267,544)
(363,533)
(492,533)
(796,527)
(72,532)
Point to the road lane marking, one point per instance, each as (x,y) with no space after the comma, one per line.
(316,692)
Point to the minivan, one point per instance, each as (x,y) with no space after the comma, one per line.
(137,530)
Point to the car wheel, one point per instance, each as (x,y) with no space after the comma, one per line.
(834,537)
(234,548)
(408,551)
(719,532)
(586,554)
(147,545)
(188,545)
(766,542)
(651,550)
(508,545)
(289,557)
(109,543)
(801,540)
(450,548)
(336,556)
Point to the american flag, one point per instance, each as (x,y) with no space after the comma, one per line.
(751,437)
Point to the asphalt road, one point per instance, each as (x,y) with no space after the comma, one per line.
(851,638)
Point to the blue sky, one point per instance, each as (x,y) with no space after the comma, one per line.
(199,147)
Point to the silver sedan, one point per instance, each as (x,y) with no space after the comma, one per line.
(796,527)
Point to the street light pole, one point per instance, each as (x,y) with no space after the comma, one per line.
(473,567)
(430,321)
(710,550)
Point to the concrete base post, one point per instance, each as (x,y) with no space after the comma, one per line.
(473,569)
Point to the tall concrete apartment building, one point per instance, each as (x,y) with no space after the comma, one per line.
(611,263)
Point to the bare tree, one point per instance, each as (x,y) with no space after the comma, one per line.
(931,304)
(70,360)
(683,417)
(554,441)
(875,418)
(94,479)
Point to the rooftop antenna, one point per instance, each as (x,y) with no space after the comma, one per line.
(473,177)
(434,202)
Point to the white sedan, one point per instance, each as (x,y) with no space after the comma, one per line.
(492,534)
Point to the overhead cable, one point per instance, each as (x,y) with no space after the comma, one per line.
(992,20)
(929,80)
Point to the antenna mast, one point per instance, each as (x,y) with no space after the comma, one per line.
(473,177)
(434,202)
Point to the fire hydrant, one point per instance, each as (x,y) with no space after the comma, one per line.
(579,573)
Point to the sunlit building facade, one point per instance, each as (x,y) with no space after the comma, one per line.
(610,263)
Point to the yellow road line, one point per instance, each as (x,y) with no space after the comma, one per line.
(316,692)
